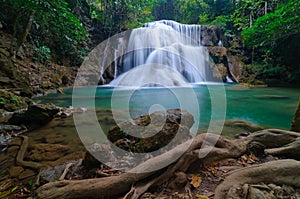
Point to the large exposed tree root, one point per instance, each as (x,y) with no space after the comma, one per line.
(20,157)
(137,182)
(278,172)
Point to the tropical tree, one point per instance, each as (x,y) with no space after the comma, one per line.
(49,23)
(275,38)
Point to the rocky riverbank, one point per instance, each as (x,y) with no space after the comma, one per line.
(26,75)
(38,161)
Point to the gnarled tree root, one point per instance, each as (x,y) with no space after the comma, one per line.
(277,172)
(202,146)
(20,157)
(106,187)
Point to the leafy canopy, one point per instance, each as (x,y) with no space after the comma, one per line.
(53,25)
(278,25)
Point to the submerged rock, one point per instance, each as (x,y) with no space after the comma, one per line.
(152,132)
(271,97)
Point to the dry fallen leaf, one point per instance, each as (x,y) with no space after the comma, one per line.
(212,170)
(196,181)
(213,164)
(201,196)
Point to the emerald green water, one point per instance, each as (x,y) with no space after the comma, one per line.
(269,107)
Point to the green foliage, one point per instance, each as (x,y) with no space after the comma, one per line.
(245,10)
(271,71)
(2,101)
(275,39)
(14,101)
(67,35)
(165,9)
(190,10)
(221,20)
(42,54)
(121,14)
(54,25)
(11,102)
(278,25)
(31,182)
(223,7)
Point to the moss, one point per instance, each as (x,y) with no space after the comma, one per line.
(10,101)
(2,101)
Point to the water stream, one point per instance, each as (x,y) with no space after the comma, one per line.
(269,107)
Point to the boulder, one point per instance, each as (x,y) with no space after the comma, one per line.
(235,66)
(210,35)
(219,57)
(227,64)
(217,53)
(36,114)
(152,132)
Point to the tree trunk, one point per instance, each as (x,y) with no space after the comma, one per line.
(26,31)
(266,7)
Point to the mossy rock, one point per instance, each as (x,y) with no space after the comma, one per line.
(11,102)
(36,114)
(149,133)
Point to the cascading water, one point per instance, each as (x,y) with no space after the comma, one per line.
(118,51)
(167,53)
(193,32)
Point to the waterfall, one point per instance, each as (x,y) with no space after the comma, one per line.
(165,52)
(193,32)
